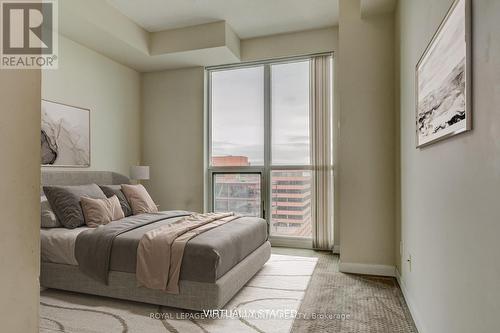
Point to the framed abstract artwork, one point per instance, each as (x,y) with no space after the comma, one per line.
(65,135)
(443,79)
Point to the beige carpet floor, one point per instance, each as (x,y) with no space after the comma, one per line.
(372,304)
(303,281)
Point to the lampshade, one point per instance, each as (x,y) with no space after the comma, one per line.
(139,172)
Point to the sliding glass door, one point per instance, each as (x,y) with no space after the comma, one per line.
(259,144)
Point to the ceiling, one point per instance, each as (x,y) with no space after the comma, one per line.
(248,18)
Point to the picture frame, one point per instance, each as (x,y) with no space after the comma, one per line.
(65,135)
(443,79)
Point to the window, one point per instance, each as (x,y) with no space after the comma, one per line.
(237,192)
(237,98)
(259,149)
(290,113)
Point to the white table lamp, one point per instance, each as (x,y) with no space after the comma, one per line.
(139,172)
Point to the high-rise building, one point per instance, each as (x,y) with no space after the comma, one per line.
(291,202)
(236,192)
(241,193)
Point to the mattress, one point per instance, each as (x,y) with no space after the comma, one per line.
(207,257)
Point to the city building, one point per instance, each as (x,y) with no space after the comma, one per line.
(241,193)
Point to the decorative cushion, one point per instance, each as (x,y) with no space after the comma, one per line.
(65,202)
(48,217)
(101,211)
(139,199)
(110,190)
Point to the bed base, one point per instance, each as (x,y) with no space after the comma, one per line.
(193,295)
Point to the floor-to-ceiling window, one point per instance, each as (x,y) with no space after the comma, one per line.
(259,144)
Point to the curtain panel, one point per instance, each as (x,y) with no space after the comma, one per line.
(322,150)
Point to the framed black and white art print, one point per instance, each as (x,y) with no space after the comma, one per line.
(443,79)
(65,135)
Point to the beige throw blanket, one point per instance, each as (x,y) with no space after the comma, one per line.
(160,251)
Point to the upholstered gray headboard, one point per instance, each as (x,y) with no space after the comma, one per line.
(53,177)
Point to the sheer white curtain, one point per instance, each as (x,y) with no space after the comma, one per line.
(322,150)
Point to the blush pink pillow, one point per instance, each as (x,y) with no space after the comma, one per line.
(101,211)
(139,199)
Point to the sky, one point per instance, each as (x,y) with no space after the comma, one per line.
(238,113)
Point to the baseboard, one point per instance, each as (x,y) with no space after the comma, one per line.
(368,269)
(336,249)
(411,305)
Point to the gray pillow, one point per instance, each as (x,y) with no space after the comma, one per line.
(110,190)
(65,202)
(48,218)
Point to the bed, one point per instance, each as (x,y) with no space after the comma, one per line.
(216,264)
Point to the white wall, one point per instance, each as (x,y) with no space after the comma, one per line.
(173,137)
(366,144)
(19,199)
(112,93)
(450,191)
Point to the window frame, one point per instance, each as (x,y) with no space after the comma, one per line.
(266,170)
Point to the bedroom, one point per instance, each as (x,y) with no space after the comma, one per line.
(294,121)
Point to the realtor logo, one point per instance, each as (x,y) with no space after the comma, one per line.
(29,34)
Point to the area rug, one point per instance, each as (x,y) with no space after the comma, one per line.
(268,303)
